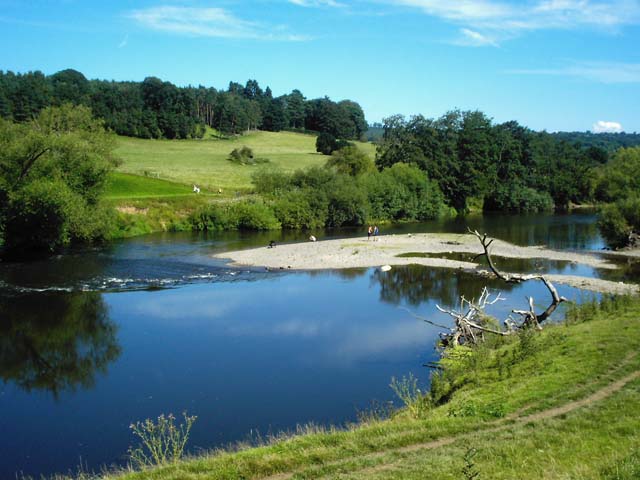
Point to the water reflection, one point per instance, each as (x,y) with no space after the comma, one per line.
(415,284)
(55,342)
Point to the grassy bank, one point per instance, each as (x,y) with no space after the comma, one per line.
(559,404)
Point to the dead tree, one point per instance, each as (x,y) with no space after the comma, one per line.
(470,324)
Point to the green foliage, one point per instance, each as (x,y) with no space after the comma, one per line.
(416,403)
(350,161)
(620,178)
(161,442)
(469,470)
(511,167)
(244,156)
(245,215)
(349,192)
(514,198)
(157,109)
(325,143)
(53,172)
(348,204)
(472,409)
(301,209)
(616,221)
(271,181)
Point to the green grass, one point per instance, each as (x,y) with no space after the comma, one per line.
(563,363)
(204,162)
(126,186)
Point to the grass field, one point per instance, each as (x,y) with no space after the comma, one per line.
(204,162)
(128,186)
(561,404)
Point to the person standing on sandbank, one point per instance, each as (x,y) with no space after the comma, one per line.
(369,232)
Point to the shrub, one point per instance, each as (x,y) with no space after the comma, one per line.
(244,215)
(515,198)
(407,390)
(47,215)
(618,220)
(161,442)
(348,204)
(271,181)
(301,209)
(254,216)
(350,161)
(244,156)
(325,143)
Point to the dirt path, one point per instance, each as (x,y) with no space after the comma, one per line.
(597,396)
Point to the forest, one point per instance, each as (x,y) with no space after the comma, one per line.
(496,166)
(157,109)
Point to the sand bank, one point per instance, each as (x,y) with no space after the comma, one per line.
(360,252)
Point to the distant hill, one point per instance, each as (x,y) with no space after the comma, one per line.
(607,141)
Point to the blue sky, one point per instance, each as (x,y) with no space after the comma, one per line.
(549,64)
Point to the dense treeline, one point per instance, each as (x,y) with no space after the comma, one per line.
(606,141)
(156,109)
(347,191)
(501,167)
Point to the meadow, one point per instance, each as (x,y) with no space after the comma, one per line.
(205,162)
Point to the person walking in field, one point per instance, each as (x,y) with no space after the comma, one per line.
(369,232)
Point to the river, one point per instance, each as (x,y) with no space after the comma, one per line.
(92,341)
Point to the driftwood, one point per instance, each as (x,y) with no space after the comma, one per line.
(470,324)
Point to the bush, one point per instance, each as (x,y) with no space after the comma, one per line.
(515,198)
(254,216)
(161,442)
(619,178)
(325,143)
(53,174)
(350,161)
(271,181)
(301,209)
(348,204)
(244,156)
(234,216)
(414,400)
(420,198)
(46,215)
(618,220)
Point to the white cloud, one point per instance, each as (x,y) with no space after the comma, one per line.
(316,3)
(206,22)
(124,41)
(500,21)
(464,10)
(471,38)
(602,126)
(601,72)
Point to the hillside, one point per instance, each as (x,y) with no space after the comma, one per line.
(204,162)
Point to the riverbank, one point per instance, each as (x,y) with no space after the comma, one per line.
(432,250)
(559,404)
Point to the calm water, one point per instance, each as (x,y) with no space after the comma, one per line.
(92,341)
